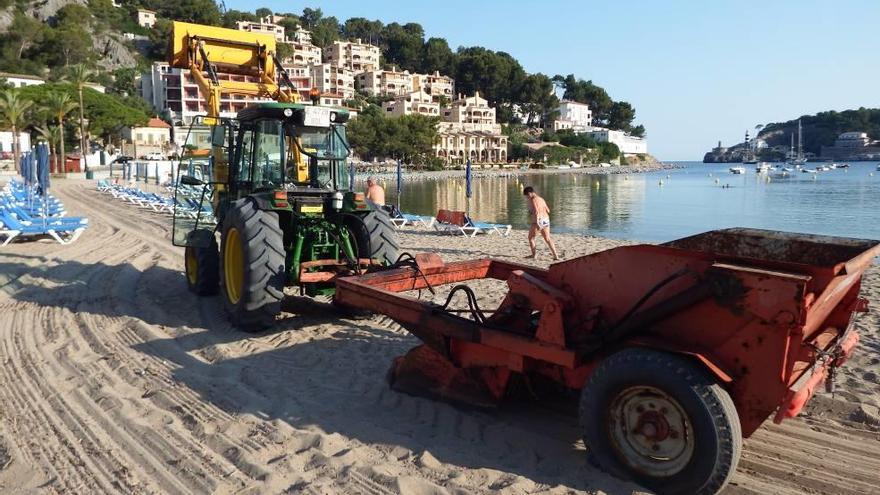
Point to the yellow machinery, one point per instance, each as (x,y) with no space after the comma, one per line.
(278,188)
(208,51)
(212,50)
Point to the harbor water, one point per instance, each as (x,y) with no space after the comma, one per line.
(668,204)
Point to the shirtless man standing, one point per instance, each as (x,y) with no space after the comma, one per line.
(375,193)
(539,213)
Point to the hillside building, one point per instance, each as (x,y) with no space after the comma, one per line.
(384,82)
(468,131)
(146,18)
(414,102)
(629,145)
(263,26)
(573,116)
(435,84)
(21,80)
(355,56)
(852,146)
(304,53)
(332,79)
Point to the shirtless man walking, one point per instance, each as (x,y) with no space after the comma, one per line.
(539,214)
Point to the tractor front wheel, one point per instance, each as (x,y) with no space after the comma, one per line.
(374,236)
(202,269)
(252,266)
(661,420)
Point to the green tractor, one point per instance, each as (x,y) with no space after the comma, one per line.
(276,190)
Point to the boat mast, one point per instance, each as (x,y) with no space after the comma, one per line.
(800,153)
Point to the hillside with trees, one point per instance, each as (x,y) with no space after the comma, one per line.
(818,130)
(47,38)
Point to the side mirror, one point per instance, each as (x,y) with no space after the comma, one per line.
(189,180)
(218,135)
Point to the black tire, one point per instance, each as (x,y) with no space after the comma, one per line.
(263,260)
(374,235)
(648,384)
(202,266)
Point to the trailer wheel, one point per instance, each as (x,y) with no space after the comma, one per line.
(661,420)
(252,266)
(375,236)
(202,266)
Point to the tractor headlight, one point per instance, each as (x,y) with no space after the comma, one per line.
(332,116)
(288,112)
(337,200)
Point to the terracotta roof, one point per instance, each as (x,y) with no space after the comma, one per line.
(154,122)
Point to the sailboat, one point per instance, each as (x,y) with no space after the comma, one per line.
(798,159)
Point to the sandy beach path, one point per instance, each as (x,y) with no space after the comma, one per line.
(115,379)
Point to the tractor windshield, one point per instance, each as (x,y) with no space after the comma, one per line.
(276,153)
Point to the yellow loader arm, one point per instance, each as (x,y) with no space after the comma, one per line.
(208,51)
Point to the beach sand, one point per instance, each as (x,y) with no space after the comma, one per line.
(116,379)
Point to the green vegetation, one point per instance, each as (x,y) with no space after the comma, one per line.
(823,128)
(50,49)
(13,114)
(409,138)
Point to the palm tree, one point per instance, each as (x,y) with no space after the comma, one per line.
(79,75)
(59,104)
(13,109)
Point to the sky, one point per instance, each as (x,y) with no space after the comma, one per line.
(696,71)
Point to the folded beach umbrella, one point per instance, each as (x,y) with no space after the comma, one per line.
(42,159)
(399,182)
(468,189)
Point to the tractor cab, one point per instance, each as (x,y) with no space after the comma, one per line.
(289,146)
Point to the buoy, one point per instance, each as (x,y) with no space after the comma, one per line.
(661,182)
(710,175)
(871,174)
(667,176)
(717,181)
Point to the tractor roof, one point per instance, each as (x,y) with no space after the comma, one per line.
(275,110)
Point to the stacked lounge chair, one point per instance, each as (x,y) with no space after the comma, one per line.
(187,202)
(25,215)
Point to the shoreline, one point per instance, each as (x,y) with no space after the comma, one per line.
(418,175)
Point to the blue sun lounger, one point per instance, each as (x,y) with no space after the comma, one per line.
(63,232)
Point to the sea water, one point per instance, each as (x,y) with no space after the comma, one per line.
(668,204)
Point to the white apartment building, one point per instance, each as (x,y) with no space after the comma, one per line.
(473,112)
(355,56)
(384,82)
(434,84)
(300,36)
(627,144)
(264,26)
(415,102)
(21,80)
(332,79)
(304,53)
(146,18)
(573,116)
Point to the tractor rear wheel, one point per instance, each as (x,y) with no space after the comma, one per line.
(252,266)
(661,420)
(374,236)
(202,269)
